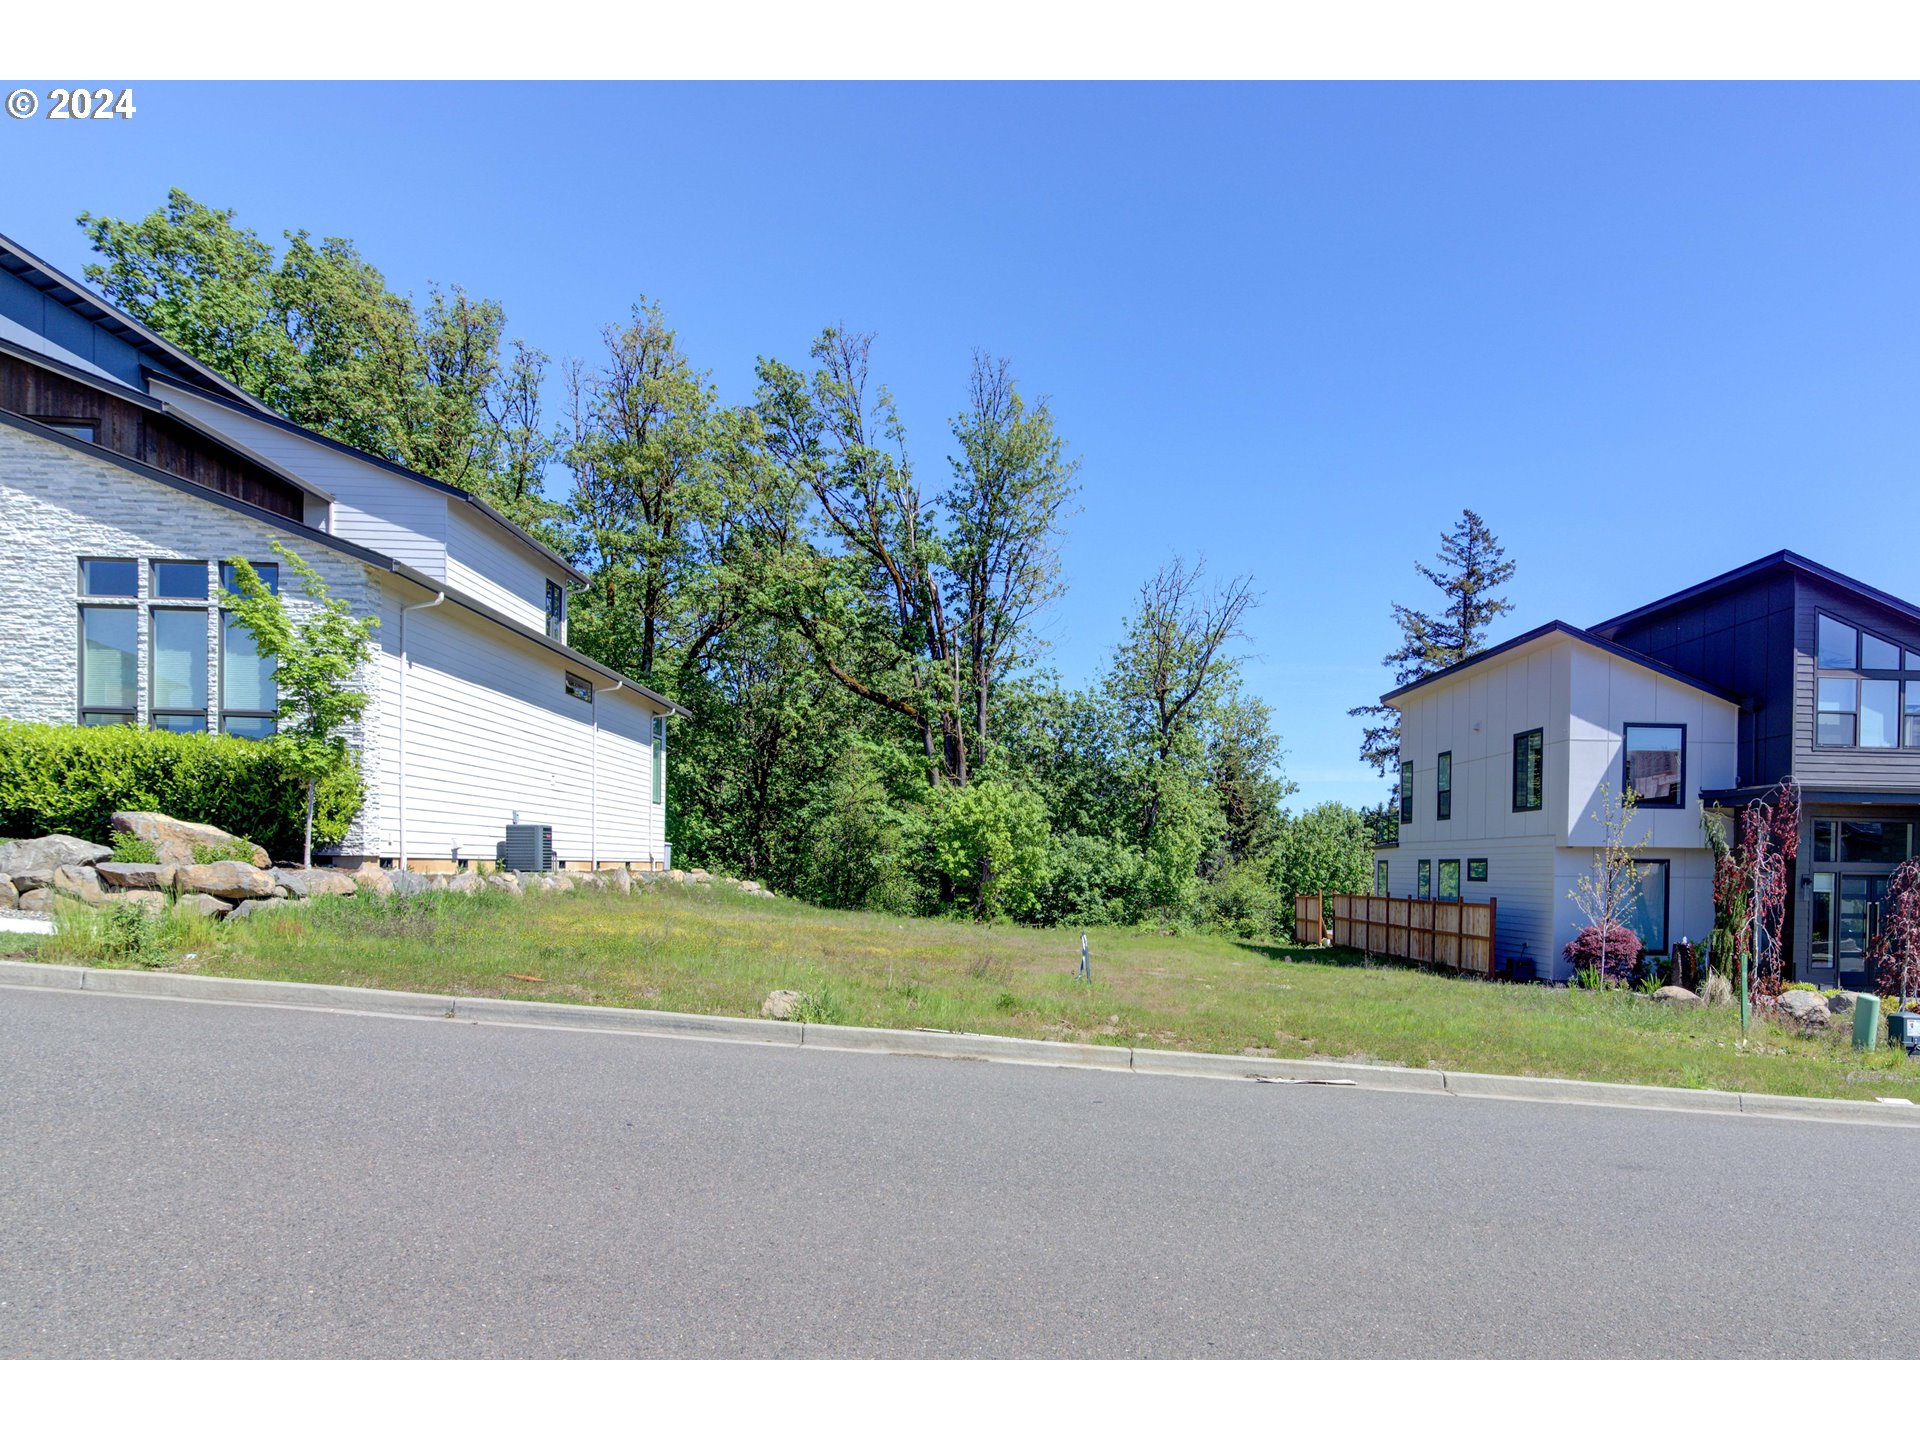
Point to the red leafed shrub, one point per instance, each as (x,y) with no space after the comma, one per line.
(1611,951)
(1897,946)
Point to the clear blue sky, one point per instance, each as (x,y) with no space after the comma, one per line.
(1648,332)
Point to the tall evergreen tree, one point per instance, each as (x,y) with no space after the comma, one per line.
(1472,566)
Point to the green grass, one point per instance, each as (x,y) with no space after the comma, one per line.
(716,951)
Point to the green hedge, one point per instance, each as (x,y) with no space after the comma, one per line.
(69,779)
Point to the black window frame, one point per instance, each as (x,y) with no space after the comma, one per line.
(1382,875)
(155,711)
(114,714)
(1423,880)
(1477,870)
(1440,880)
(1906,695)
(1666,902)
(1539,735)
(1406,792)
(659,759)
(71,426)
(556,610)
(1679,801)
(577,687)
(1443,786)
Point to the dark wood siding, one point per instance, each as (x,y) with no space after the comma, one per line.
(141,434)
(1742,640)
(1851,769)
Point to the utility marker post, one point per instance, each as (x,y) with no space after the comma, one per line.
(1086,965)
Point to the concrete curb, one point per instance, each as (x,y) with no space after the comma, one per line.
(939,1044)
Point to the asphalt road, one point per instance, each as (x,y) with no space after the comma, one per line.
(187,1179)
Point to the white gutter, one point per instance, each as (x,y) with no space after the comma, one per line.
(404,611)
(593,782)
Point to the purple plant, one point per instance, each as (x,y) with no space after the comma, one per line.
(1611,952)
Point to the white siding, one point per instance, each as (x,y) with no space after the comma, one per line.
(1580,698)
(485,562)
(491,734)
(372,506)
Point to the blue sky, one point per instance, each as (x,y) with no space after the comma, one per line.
(1649,332)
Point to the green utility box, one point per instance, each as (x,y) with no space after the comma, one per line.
(1866,1022)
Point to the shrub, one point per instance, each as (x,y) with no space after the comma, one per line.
(1619,945)
(239,850)
(69,779)
(1800,985)
(128,934)
(132,850)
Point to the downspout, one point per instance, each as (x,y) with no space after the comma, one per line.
(593,780)
(404,611)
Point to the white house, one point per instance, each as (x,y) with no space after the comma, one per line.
(129,472)
(1503,759)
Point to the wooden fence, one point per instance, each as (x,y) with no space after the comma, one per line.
(1456,934)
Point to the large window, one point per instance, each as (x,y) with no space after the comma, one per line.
(659,759)
(1406,792)
(556,611)
(1875,705)
(1443,802)
(249,694)
(118,578)
(109,665)
(1425,873)
(1529,781)
(1648,917)
(1449,879)
(1656,765)
(1380,875)
(178,650)
(1823,919)
(1862,842)
(179,580)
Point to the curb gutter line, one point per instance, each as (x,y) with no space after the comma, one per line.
(941,1044)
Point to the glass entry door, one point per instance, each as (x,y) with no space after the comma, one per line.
(1856,924)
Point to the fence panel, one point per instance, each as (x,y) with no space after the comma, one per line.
(1456,934)
(1309,919)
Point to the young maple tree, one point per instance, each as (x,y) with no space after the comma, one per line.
(1751,884)
(1605,895)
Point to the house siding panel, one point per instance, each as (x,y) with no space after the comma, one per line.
(484,562)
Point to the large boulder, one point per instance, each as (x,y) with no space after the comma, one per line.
(173,840)
(9,897)
(152,901)
(37,902)
(504,880)
(783,1004)
(373,880)
(30,864)
(204,904)
(1806,1006)
(227,879)
(1676,995)
(80,882)
(135,875)
(305,884)
(1839,1002)
(467,884)
(407,882)
(617,879)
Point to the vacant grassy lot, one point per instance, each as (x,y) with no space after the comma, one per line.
(719,952)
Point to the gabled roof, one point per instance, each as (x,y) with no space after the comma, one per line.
(173,365)
(1572,632)
(29,268)
(371,558)
(1779,560)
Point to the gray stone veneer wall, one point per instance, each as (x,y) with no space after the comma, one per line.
(59,505)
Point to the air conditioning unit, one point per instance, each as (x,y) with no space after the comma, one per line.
(528,847)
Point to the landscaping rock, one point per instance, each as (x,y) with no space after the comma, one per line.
(1805,1006)
(204,904)
(1840,1002)
(30,864)
(152,901)
(699,877)
(80,882)
(9,897)
(782,1004)
(678,877)
(227,879)
(128,875)
(305,884)
(253,907)
(406,882)
(617,880)
(1676,995)
(467,884)
(504,880)
(36,902)
(562,881)
(372,879)
(173,840)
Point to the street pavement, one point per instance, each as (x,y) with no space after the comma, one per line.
(188,1179)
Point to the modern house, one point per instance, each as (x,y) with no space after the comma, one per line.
(1709,697)
(129,472)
